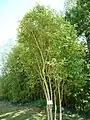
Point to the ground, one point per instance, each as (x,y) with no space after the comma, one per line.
(10,111)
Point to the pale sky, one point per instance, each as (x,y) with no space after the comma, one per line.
(11,11)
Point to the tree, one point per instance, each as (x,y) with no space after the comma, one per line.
(54,53)
(79,14)
(18,82)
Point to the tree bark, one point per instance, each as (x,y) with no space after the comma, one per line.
(60,103)
(60,109)
(55,113)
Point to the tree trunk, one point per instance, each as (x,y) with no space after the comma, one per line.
(60,117)
(48,115)
(60,103)
(49,112)
(55,114)
(50,107)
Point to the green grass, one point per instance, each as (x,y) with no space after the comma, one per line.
(12,112)
(28,112)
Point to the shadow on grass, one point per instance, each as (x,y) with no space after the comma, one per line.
(24,114)
(27,114)
(72,117)
(14,112)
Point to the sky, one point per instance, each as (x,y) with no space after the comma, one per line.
(12,11)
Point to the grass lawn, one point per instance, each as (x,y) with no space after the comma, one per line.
(15,112)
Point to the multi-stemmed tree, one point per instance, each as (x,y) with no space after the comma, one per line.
(56,55)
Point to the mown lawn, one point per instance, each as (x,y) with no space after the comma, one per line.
(17,112)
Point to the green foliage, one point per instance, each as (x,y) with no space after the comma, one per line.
(44,38)
(18,83)
(79,15)
(50,28)
(44,29)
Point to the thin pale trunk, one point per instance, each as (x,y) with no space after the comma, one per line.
(55,114)
(43,76)
(60,109)
(48,113)
(50,87)
(49,93)
(45,90)
(51,115)
(49,108)
(45,81)
(42,73)
(60,103)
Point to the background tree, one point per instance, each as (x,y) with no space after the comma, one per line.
(19,84)
(79,14)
